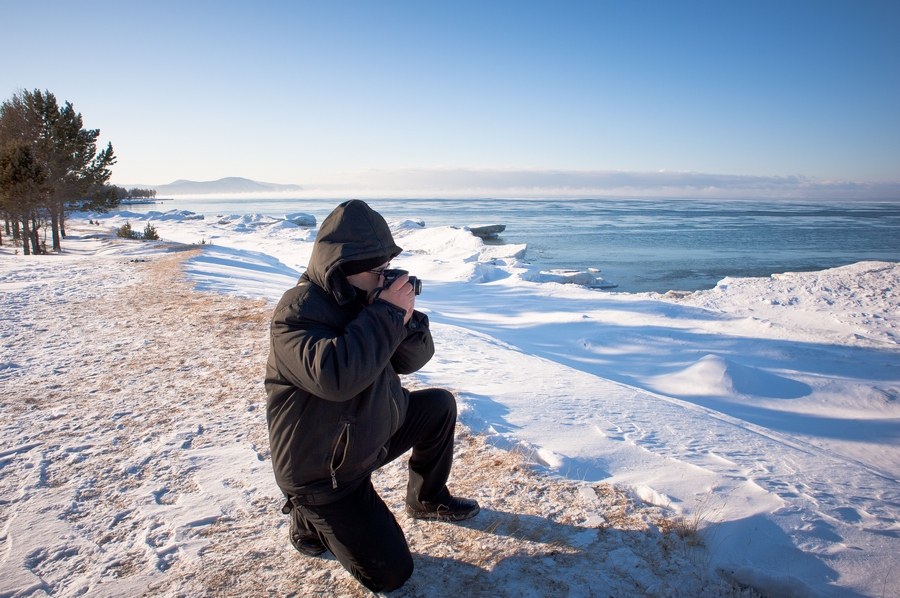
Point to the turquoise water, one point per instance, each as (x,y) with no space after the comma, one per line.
(643,245)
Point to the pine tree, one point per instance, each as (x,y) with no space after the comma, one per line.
(150,233)
(22,189)
(75,174)
(126,232)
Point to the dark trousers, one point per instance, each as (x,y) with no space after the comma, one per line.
(359,529)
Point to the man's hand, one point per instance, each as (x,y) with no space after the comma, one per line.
(402,295)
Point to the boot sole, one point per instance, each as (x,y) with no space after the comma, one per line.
(308,548)
(442,515)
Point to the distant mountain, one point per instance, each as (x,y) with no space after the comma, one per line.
(226,185)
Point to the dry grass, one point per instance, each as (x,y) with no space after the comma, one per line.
(694,527)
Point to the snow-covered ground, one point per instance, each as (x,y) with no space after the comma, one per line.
(766,409)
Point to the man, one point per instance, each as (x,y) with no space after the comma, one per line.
(336,410)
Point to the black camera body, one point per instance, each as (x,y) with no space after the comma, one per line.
(392,274)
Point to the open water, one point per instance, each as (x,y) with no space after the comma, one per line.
(642,245)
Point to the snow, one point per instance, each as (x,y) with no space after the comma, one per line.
(764,412)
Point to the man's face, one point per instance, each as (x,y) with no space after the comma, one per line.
(369,280)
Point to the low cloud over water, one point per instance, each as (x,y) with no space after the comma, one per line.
(534,182)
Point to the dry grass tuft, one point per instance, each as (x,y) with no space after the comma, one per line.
(694,528)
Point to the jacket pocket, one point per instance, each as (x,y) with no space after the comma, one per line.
(339,453)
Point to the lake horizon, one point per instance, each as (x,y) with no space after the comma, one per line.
(645,244)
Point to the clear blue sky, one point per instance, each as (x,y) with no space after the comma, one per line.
(296,91)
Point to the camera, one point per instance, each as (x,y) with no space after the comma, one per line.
(392,274)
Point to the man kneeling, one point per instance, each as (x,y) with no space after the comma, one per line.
(336,410)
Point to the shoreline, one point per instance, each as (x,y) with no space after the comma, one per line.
(641,246)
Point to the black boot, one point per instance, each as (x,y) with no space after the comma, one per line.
(302,538)
(456,509)
(305,542)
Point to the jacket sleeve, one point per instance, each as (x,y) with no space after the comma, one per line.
(336,366)
(416,349)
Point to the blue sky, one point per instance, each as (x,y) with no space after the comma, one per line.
(306,92)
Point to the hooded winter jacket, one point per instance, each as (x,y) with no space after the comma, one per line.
(334,394)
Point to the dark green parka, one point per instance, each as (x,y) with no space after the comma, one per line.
(334,394)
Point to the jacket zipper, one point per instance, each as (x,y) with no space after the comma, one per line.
(344,432)
(396,414)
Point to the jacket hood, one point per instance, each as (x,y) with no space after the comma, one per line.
(352,232)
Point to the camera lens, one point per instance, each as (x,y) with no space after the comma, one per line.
(416,284)
(393,274)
